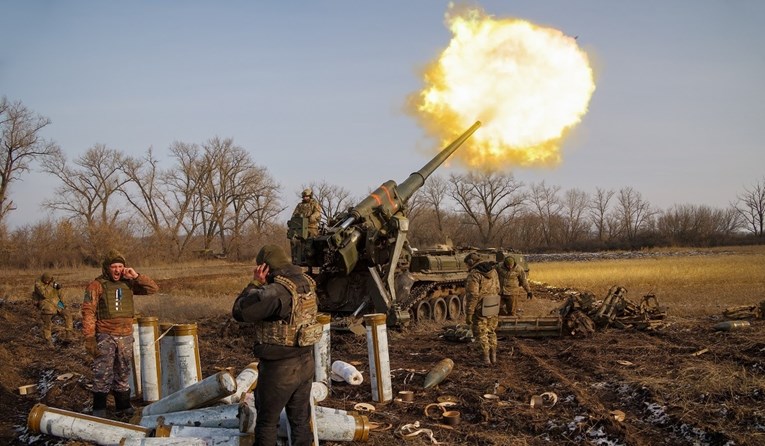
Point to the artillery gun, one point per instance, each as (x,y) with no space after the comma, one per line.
(362,262)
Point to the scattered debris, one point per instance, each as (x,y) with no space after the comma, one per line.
(364,407)
(438,373)
(343,371)
(583,315)
(745,311)
(731,325)
(618,415)
(28,389)
(700,352)
(547,400)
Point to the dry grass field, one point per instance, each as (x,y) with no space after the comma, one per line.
(693,283)
(682,383)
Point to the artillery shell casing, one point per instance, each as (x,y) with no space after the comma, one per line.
(76,426)
(135,368)
(438,373)
(246,380)
(148,332)
(199,394)
(379,364)
(321,351)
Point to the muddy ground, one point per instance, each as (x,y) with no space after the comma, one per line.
(681,384)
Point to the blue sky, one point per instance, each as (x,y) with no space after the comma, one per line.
(316,90)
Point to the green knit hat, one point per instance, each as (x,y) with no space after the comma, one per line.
(114,256)
(273,256)
(46,277)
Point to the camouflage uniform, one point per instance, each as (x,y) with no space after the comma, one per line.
(47,297)
(511,276)
(284,312)
(107,317)
(482,281)
(311,210)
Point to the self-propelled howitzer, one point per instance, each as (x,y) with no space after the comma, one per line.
(355,258)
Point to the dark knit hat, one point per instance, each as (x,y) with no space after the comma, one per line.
(273,256)
(472,258)
(114,256)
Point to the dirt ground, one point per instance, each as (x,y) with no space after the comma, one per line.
(681,384)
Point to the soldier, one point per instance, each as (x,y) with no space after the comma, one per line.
(107,324)
(482,305)
(281,300)
(47,297)
(310,209)
(511,276)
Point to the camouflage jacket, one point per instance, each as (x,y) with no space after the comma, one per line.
(46,297)
(511,279)
(481,281)
(121,326)
(272,302)
(310,210)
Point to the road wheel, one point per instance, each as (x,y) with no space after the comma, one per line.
(438,306)
(453,307)
(422,311)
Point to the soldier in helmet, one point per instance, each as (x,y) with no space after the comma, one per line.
(47,297)
(511,276)
(311,209)
(281,301)
(482,304)
(107,324)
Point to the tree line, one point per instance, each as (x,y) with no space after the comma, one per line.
(214,200)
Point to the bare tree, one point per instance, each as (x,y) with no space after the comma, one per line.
(235,191)
(433,192)
(20,144)
(598,211)
(634,213)
(574,206)
(254,200)
(484,198)
(546,205)
(333,199)
(696,225)
(88,192)
(182,183)
(751,207)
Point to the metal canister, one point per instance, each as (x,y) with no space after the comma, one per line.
(379,364)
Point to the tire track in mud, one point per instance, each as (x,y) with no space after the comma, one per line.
(598,412)
(659,363)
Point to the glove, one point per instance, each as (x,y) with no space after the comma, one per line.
(529,295)
(91,346)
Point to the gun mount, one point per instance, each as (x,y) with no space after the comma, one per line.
(359,255)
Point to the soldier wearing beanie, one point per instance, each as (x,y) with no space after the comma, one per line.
(511,276)
(47,297)
(107,324)
(482,305)
(310,209)
(281,301)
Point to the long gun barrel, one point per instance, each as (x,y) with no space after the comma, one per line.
(417,179)
(380,215)
(391,197)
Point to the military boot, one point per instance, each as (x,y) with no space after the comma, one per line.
(493,355)
(485,357)
(99,404)
(122,404)
(49,340)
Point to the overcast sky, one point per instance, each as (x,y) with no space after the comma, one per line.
(315,90)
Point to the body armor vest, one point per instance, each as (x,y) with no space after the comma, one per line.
(116,301)
(302,329)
